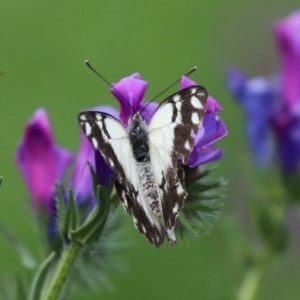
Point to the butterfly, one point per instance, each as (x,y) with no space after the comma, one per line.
(147,158)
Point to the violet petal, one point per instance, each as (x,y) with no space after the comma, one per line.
(40,160)
(130,92)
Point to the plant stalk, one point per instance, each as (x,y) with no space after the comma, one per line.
(64,266)
(251,282)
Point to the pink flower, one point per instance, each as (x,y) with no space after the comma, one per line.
(41,161)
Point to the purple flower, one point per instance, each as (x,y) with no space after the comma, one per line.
(287,37)
(273,104)
(41,161)
(256,98)
(130,92)
(286,121)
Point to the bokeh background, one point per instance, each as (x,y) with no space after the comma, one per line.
(43,45)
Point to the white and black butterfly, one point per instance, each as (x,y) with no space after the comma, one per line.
(145,158)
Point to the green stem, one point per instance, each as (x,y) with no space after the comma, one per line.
(65,264)
(250,284)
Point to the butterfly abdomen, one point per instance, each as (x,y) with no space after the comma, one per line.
(149,187)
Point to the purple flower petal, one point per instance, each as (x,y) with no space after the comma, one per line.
(236,80)
(257,99)
(186,82)
(103,171)
(40,160)
(130,92)
(203,155)
(287,35)
(214,130)
(148,109)
(213,105)
(82,181)
(287,132)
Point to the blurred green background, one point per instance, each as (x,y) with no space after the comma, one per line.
(43,45)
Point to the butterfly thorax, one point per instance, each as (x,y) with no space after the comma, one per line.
(138,136)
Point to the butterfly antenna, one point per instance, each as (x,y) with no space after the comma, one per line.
(97,73)
(192,70)
(105,80)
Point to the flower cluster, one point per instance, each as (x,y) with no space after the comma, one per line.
(272,105)
(43,163)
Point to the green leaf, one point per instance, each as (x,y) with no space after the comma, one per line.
(61,209)
(94,223)
(25,256)
(40,278)
(104,257)
(202,205)
(71,217)
(1,178)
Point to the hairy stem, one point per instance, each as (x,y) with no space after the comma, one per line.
(64,266)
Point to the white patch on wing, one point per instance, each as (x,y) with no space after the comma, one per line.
(95,142)
(177,98)
(143,229)
(125,202)
(135,221)
(88,129)
(195,118)
(162,117)
(179,116)
(171,235)
(100,125)
(187,145)
(175,208)
(98,117)
(115,129)
(196,103)
(180,190)
(111,162)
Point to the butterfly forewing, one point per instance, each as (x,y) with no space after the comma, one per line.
(171,138)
